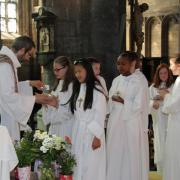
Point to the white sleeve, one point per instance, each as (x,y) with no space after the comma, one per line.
(8,157)
(25,88)
(151,101)
(62,113)
(111,93)
(96,126)
(17,105)
(171,103)
(134,107)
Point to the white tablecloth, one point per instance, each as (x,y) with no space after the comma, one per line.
(8,158)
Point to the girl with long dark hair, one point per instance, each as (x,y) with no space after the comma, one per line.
(88,104)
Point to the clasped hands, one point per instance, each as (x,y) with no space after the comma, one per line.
(117,99)
(160,97)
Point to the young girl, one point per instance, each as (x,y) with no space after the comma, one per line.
(96,65)
(88,104)
(171,106)
(125,127)
(60,119)
(163,79)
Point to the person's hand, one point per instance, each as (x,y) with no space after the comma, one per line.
(96,143)
(118,99)
(37,84)
(156,104)
(158,97)
(163,92)
(53,101)
(46,99)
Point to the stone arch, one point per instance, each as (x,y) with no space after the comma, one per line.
(165,31)
(148,36)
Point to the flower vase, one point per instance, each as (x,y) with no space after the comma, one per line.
(24,173)
(66,177)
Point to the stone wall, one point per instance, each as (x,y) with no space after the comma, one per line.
(91,28)
(161,27)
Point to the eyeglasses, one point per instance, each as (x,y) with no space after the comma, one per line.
(58,69)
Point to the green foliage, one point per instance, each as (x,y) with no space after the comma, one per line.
(47,174)
(24,151)
(48,149)
(67,162)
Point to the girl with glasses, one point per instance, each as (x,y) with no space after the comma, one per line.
(60,119)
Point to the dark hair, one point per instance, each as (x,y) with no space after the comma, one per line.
(129,55)
(69,76)
(92,60)
(23,42)
(91,82)
(157,81)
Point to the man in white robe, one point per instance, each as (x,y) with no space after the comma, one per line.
(16,99)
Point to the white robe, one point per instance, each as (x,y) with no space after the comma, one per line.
(60,119)
(8,157)
(103,84)
(160,122)
(88,124)
(126,157)
(145,121)
(15,108)
(171,106)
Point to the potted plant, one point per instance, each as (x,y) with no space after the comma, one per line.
(25,156)
(67,162)
(48,147)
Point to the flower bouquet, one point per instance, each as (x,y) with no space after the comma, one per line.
(48,147)
(50,151)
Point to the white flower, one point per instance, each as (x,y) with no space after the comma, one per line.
(43,149)
(40,135)
(48,142)
(57,142)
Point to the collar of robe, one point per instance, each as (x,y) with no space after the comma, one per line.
(8,52)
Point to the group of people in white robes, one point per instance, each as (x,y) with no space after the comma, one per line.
(77,107)
(165,111)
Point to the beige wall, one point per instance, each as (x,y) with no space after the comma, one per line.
(161,6)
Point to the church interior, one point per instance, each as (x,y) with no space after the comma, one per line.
(97,28)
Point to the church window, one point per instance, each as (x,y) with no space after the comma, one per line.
(8,12)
